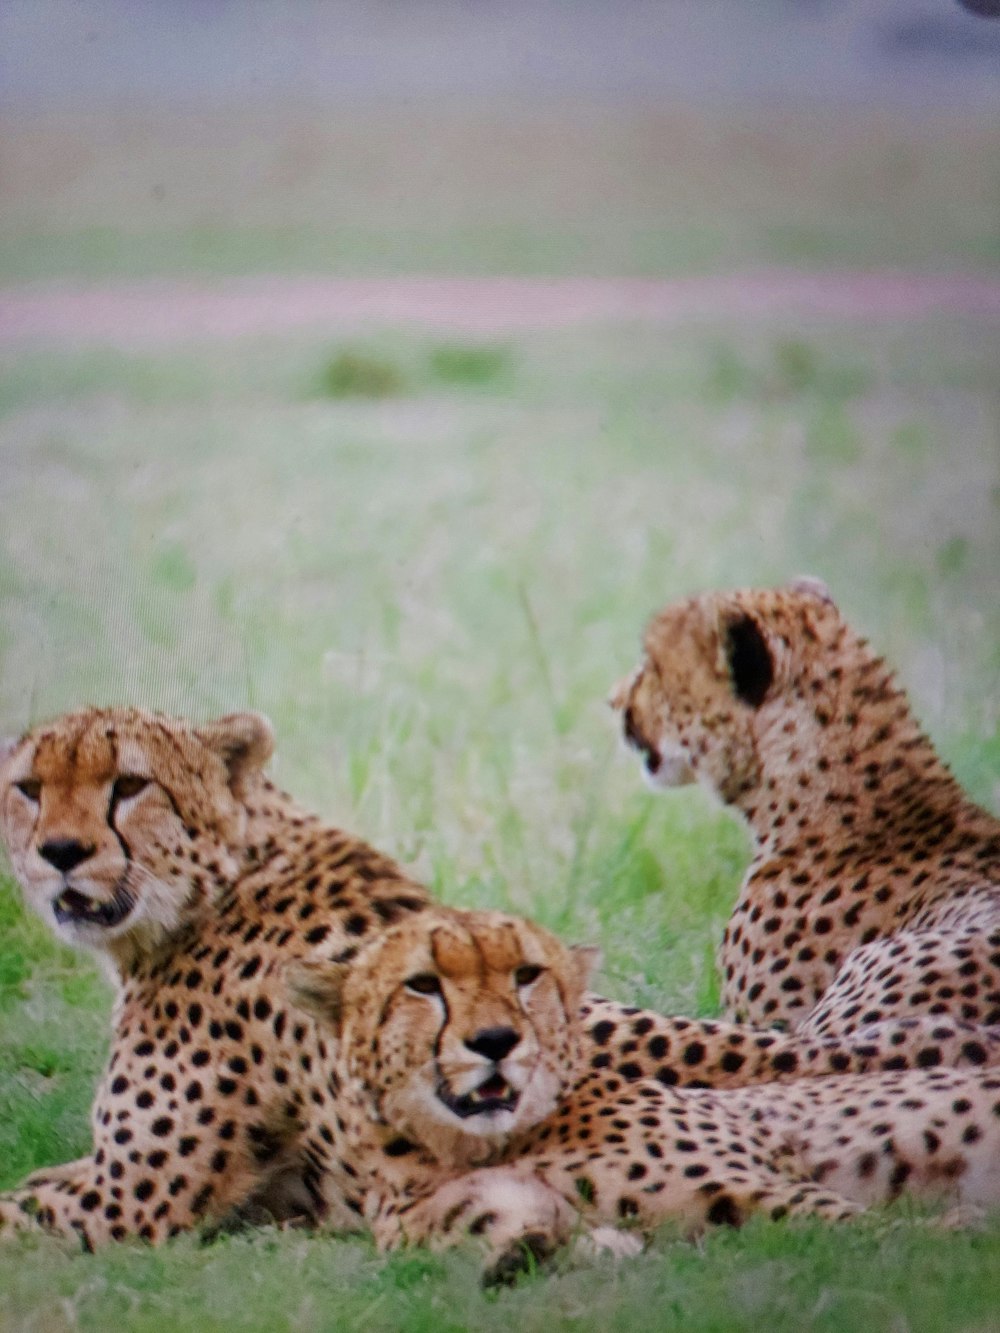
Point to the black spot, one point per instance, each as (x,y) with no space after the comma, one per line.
(162,1127)
(724,1212)
(479,1224)
(867,1165)
(399,1147)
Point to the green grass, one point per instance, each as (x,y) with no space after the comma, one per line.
(431,592)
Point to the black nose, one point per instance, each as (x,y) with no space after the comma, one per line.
(64,853)
(494,1043)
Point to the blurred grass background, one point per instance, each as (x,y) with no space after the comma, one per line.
(427,558)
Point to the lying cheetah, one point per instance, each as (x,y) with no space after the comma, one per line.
(875,884)
(163,848)
(467,1108)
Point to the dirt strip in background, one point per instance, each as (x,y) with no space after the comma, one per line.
(155,312)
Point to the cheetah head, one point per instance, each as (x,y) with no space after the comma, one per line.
(120,822)
(713,667)
(460,1029)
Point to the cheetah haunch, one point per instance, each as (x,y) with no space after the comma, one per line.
(874,889)
(467,1109)
(163,848)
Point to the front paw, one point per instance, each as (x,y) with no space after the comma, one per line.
(520,1256)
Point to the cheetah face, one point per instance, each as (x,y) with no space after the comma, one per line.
(460,1027)
(717,671)
(646,729)
(118,822)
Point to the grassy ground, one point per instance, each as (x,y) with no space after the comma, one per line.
(428,563)
(496,189)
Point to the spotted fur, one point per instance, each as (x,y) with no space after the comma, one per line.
(163,848)
(874,890)
(467,1111)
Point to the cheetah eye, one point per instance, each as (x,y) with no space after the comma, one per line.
(424,983)
(129,784)
(527,973)
(30,788)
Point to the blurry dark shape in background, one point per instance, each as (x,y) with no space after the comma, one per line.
(192,52)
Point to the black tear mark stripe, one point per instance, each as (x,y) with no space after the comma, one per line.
(439,1038)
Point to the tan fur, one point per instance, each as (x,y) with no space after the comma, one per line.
(215,1096)
(581,1148)
(875,884)
(212,1094)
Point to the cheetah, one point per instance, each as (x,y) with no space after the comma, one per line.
(163,848)
(874,889)
(468,1109)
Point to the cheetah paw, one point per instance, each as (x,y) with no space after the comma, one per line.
(608,1240)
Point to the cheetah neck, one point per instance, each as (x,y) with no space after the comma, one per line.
(847,775)
(274,826)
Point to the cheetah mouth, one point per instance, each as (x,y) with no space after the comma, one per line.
(77,909)
(651,757)
(493,1094)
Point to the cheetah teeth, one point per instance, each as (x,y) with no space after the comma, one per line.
(493,1094)
(78,908)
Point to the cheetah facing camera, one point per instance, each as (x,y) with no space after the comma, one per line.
(467,1108)
(874,889)
(163,848)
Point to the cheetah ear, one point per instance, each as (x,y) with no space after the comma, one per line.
(747,656)
(585,959)
(318,988)
(811,586)
(243,740)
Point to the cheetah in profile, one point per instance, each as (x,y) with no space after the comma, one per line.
(163,848)
(874,889)
(467,1108)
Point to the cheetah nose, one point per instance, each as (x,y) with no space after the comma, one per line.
(65,853)
(493,1043)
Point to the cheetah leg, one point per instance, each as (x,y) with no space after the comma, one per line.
(118,1197)
(778,1199)
(45,1174)
(709,1053)
(942,973)
(512,1215)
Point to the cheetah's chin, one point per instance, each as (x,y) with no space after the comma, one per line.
(493,1094)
